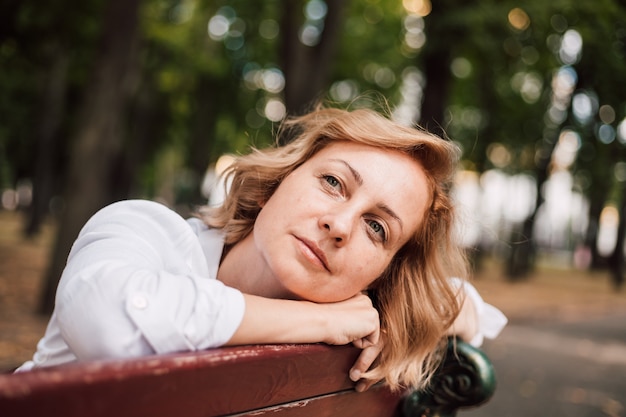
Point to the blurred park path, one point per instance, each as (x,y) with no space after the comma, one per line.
(574,368)
(563,353)
(565,344)
(550,293)
(22,263)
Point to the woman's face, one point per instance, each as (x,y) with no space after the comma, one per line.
(334,224)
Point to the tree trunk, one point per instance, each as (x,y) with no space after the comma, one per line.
(98,138)
(202,133)
(437,73)
(148,118)
(51,114)
(435,58)
(307,68)
(520,259)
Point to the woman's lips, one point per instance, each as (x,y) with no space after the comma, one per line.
(313,253)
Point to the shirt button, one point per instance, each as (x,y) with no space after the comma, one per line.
(140,302)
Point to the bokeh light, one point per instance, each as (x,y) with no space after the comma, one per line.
(275,110)
(529,85)
(310,34)
(269,29)
(566,149)
(414,36)
(621,131)
(519,19)
(461,67)
(584,106)
(606,134)
(344,90)
(218,27)
(418,7)
(315,10)
(499,155)
(571,47)
(270,79)
(607,231)
(384,77)
(311,31)
(607,114)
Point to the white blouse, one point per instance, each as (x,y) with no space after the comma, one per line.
(142,280)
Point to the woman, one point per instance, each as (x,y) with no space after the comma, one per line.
(342,236)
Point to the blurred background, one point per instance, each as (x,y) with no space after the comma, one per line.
(107,100)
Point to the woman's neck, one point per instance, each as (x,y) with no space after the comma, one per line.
(244,268)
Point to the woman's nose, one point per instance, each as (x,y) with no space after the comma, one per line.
(338,226)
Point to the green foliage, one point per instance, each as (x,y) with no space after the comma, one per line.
(370,51)
(195,87)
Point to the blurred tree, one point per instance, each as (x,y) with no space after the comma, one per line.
(513,58)
(472,56)
(307,49)
(192,91)
(36,81)
(98,139)
(208,78)
(603,56)
(445,30)
(47,135)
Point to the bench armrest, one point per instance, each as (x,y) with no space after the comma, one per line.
(465,378)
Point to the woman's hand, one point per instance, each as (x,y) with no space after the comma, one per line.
(354,321)
(364,362)
(371,345)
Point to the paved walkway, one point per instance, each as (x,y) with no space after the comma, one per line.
(559,369)
(563,353)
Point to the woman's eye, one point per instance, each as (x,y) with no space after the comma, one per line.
(332,181)
(378,229)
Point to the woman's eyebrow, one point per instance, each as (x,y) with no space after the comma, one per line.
(359,180)
(354,172)
(391,213)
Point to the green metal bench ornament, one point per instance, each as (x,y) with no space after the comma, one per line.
(465,378)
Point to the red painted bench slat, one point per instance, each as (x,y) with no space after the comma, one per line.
(265,380)
(209,383)
(377,401)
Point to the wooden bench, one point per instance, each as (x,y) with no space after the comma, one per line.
(267,380)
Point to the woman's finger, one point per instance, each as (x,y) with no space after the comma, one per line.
(364,385)
(364,361)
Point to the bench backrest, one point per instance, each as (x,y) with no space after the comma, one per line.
(288,380)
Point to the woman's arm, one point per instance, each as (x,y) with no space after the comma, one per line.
(465,325)
(136,284)
(286,321)
(477,319)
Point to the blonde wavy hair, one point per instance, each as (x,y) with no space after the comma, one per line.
(414,297)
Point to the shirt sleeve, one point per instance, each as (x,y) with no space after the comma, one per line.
(136,283)
(491,320)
